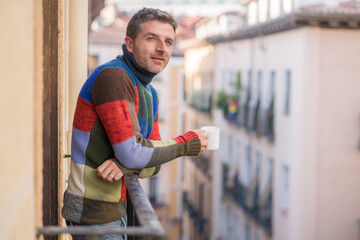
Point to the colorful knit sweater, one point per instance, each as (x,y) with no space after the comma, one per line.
(116,117)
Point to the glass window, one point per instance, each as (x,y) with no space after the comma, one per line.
(271,93)
(248,85)
(222,147)
(270,169)
(230,151)
(247,167)
(284,200)
(287,93)
(259,82)
(246,231)
(153,189)
(236,229)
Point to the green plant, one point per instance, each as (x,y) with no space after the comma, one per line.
(223,99)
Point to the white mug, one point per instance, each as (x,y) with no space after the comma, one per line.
(214,135)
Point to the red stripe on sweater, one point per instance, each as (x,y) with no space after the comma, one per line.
(85,115)
(123,190)
(155,135)
(186,137)
(137,101)
(115,118)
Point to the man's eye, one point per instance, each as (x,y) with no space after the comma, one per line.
(150,38)
(170,43)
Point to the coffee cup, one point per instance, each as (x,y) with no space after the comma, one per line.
(214,135)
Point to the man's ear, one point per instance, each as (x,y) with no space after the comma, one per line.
(129,43)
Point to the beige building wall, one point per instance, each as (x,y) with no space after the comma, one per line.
(199,68)
(168,85)
(20,94)
(21,140)
(338,201)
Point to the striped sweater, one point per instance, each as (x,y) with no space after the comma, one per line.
(115,117)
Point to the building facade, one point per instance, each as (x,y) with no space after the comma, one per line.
(287,167)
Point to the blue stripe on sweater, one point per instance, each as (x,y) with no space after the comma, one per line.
(80,140)
(117,63)
(132,154)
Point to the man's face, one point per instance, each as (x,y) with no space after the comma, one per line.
(152,46)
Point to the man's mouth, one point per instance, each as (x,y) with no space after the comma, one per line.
(158,59)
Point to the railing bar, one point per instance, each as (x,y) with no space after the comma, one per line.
(98,230)
(145,215)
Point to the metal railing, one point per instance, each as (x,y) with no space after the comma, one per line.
(143,223)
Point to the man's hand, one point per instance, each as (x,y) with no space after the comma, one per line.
(203,136)
(109,171)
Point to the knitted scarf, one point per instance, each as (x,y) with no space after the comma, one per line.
(145,77)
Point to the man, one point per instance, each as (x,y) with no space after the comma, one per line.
(116,125)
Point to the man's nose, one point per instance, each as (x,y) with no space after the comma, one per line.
(161,46)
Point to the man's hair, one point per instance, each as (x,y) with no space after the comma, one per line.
(145,15)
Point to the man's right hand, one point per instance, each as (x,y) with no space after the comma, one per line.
(109,171)
(203,136)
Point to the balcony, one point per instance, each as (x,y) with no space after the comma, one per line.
(202,162)
(142,220)
(257,206)
(196,216)
(251,116)
(265,123)
(201,101)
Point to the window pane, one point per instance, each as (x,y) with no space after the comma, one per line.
(287,93)
(284,188)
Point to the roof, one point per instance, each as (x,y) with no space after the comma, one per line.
(345,15)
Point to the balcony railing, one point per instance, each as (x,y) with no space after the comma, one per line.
(201,101)
(196,216)
(253,118)
(143,223)
(248,200)
(202,162)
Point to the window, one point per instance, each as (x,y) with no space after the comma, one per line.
(284,198)
(246,231)
(271,93)
(257,162)
(153,190)
(287,6)
(245,100)
(255,104)
(201,198)
(230,150)
(268,9)
(181,85)
(259,81)
(228,222)
(270,169)
(248,85)
(236,155)
(247,167)
(223,80)
(236,229)
(287,92)
(222,147)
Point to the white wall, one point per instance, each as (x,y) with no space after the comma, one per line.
(319,140)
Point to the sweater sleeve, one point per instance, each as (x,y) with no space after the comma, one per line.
(155,135)
(115,99)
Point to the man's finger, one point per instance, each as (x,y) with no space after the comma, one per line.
(118,176)
(110,177)
(108,171)
(103,166)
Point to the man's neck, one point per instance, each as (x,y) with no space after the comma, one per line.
(145,77)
